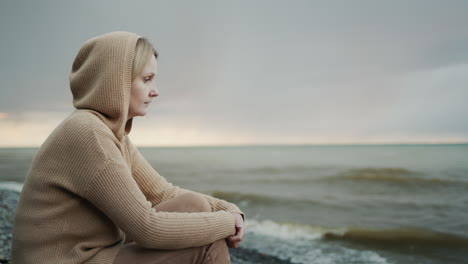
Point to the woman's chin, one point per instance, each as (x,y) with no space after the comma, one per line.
(137,114)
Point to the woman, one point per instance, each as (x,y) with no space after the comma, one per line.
(91,197)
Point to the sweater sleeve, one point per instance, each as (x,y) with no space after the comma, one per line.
(114,192)
(157,189)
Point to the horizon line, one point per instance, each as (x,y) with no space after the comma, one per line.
(283,145)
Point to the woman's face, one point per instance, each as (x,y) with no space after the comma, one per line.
(143,90)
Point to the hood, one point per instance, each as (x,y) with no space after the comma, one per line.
(100,79)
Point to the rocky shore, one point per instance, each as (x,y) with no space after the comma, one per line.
(248,256)
(9,200)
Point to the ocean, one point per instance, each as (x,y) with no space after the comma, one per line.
(325,204)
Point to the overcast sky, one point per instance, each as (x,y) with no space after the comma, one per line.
(252,72)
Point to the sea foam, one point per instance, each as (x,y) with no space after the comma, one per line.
(303,244)
(10,185)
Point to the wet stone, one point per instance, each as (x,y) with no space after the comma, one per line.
(8,202)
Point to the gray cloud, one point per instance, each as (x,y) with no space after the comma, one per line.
(298,69)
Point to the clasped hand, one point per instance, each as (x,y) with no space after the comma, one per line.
(235,240)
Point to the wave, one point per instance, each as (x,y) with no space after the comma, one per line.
(412,235)
(302,244)
(271,170)
(389,175)
(400,235)
(399,176)
(284,230)
(10,185)
(353,174)
(285,180)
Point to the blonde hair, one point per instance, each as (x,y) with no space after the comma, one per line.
(143,51)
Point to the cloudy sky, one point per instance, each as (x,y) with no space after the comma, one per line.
(252,72)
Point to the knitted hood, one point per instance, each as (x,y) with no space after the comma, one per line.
(101,79)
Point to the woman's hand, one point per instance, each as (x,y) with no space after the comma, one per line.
(235,240)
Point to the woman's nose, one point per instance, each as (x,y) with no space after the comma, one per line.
(154,92)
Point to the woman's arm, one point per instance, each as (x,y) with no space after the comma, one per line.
(114,192)
(157,189)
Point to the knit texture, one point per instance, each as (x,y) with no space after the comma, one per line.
(89,187)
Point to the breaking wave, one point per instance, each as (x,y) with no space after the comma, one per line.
(404,234)
(388,175)
(398,235)
(302,244)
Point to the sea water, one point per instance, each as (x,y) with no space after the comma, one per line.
(325,204)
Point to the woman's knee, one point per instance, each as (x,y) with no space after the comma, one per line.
(195,202)
(188,202)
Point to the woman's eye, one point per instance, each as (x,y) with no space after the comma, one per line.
(147,79)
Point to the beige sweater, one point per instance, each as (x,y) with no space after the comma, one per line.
(89,187)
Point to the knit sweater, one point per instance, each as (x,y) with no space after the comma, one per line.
(89,187)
